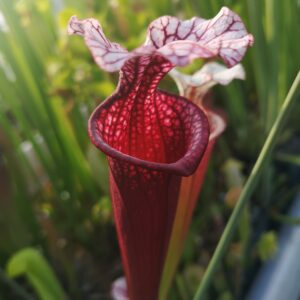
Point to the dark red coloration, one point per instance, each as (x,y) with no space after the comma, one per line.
(152,138)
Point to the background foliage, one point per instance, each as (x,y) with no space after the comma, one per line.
(53,184)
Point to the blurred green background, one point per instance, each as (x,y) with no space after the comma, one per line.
(57,235)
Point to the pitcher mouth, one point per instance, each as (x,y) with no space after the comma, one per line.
(183,166)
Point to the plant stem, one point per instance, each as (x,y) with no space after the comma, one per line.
(248,189)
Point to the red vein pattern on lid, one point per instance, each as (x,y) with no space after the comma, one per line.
(225,35)
(178,41)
